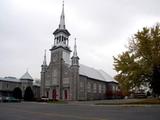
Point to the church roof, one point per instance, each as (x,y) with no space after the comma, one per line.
(36,83)
(9,79)
(95,74)
(26,76)
(56,47)
(61,30)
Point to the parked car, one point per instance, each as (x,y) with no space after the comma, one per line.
(140,94)
(0,99)
(44,99)
(10,99)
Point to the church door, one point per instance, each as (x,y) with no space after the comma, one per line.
(65,94)
(54,94)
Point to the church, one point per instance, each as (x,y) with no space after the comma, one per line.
(66,79)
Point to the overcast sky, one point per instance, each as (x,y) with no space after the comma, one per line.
(102,29)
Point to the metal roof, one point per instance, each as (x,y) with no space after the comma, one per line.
(9,79)
(26,76)
(95,74)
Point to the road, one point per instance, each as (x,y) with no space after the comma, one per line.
(44,111)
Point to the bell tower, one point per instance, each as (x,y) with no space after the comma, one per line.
(43,76)
(75,74)
(61,41)
(57,75)
(61,34)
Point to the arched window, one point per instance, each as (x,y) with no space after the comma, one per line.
(100,88)
(17,93)
(28,94)
(89,87)
(94,88)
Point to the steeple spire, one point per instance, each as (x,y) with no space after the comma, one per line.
(45,61)
(62,18)
(75,58)
(61,34)
(75,49)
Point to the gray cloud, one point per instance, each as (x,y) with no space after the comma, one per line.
(102,28)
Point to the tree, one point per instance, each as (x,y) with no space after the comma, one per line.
(136,66)
(28,95)
(129,72)
(155,83)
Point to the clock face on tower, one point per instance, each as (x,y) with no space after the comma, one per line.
(66,57)
(55,57)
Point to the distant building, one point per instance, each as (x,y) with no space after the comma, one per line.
(10,85)
(65,79)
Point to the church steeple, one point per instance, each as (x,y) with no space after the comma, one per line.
(61,34)
(75,58)
(75,74)
(43,75)
(44,65)
(75,49)
(62,18)
(45,61)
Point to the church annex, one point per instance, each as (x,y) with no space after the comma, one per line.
(66,79)
(17,88)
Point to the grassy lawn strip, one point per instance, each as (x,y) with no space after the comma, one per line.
(58,102)
(143,102)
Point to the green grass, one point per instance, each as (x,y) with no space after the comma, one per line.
(147,101)
(58,102)
(142,102)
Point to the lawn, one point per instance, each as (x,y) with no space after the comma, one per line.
(141,102)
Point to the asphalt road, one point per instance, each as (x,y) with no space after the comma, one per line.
(44,111)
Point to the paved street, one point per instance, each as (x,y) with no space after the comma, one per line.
(44,111)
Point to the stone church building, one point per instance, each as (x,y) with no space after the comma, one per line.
(65,78)
(14,87)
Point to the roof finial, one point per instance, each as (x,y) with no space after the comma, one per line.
(62,18)
(44,61)
(75,49)
(63,3)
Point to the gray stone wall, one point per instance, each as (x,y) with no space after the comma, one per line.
(66,82)
(36,92)
(82,88)
(112,88)
(42,89)
(9,86)
(91,89)
(25,84)
(74,85)
(58,76)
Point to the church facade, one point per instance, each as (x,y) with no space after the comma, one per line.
(66,79)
